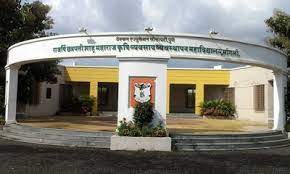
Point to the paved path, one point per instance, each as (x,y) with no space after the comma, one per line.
(18,157)
(174,124)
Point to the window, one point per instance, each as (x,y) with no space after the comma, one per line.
(48,93)
(259,97)
(229,95)
(189,93)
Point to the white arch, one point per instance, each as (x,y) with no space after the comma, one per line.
(146,47)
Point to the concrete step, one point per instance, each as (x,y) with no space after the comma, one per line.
(228,139)
(57,136)
(232,146)
(24,128)
(242,141)
(74,143)
(227,135)
(233,149)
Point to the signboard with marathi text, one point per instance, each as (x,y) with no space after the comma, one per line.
(151,45)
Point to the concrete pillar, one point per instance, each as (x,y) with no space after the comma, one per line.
(199,97)
(279,84)
(11,94)
(168,99)
(142,67)
(94,93)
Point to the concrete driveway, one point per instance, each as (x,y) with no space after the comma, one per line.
(24,158)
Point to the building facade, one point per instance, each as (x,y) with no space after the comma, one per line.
(143,73)
(186,89)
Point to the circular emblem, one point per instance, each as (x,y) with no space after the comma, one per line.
(142,92)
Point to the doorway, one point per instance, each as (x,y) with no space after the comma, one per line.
(182,98)
(107,96)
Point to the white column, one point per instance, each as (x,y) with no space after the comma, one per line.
(279,84)
(142,68)
(11,94)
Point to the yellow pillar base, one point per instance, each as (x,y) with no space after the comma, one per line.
(168,99)
(94,93)
(199,97)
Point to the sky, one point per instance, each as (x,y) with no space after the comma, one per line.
(237,19)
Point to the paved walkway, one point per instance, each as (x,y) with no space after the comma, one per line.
(174,124)
(24,158)
(81,123)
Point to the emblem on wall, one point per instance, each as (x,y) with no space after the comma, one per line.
(142,92)
(142,89)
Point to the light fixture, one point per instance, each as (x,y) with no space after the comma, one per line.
(148,29)
(83,30)
(213,32)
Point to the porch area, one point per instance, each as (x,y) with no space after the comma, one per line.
(174,124)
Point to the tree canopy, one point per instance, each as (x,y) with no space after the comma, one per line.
(279,26)
(21,21)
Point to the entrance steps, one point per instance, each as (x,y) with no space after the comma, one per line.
(58,137)
(180,141)
(228,142)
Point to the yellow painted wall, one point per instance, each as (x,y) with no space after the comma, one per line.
(92,75)
(174,76)
(187,76)
(197,77)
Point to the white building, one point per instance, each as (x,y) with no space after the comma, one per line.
(143,59)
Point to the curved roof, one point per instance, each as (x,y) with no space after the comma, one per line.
(186,35)
(199,47)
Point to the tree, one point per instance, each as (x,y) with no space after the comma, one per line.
(279,26)
(10,19)
(19,22)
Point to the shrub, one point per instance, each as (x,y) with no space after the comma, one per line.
(143,114)
(127,129)
(131,129)
(218,108)
(288,127)
(140,127)
(83,104)
(159,131)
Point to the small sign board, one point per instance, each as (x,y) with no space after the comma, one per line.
(142,89)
